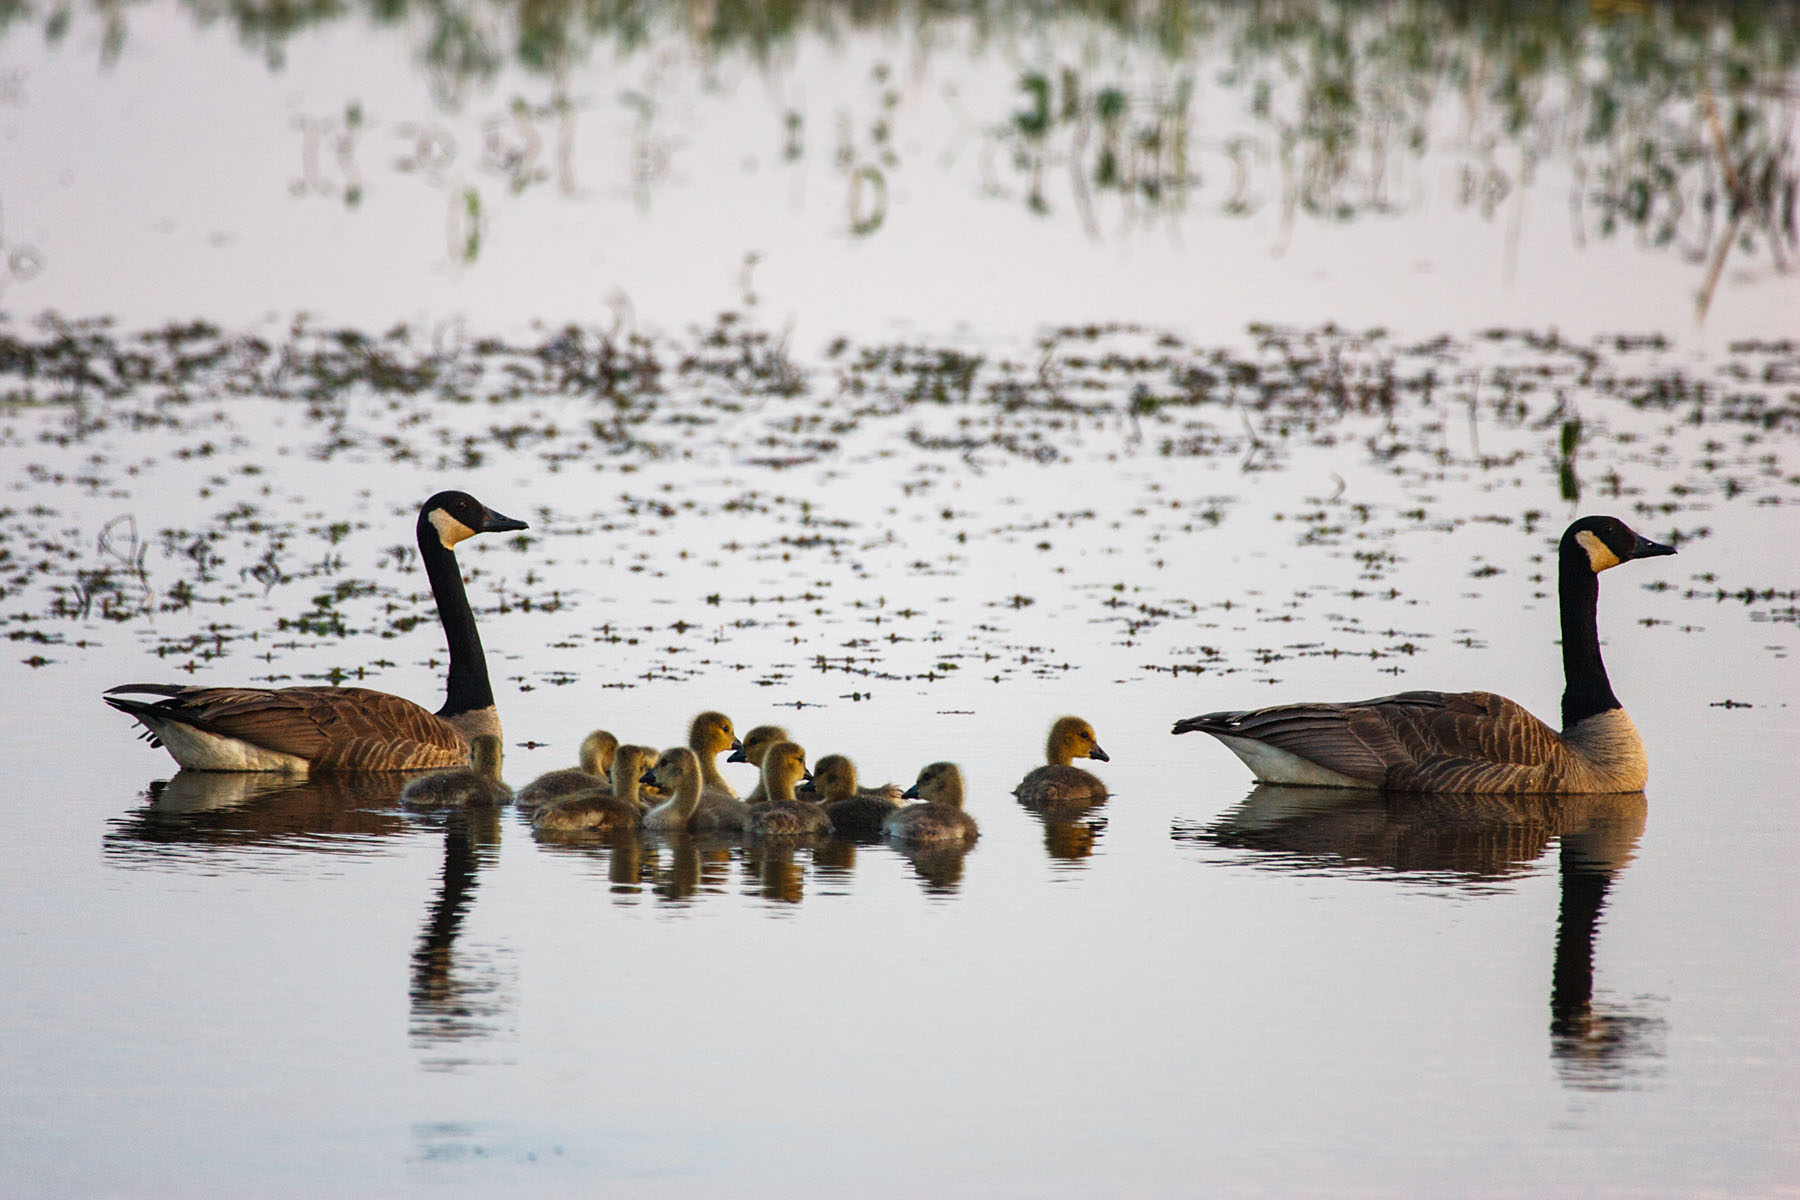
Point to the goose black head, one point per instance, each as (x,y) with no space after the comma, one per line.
(1607,541)
(458,516)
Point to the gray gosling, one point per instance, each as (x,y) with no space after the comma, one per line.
(617,809)
(939,819)
(474,786)
(596,759)
(854,811)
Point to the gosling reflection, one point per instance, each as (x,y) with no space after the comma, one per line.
(1070,838)
(1472,842)
(636,863)
(774,871)
(457,996)
(939,865)
(221,812)
(934,833)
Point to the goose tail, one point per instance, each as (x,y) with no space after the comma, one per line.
(1214,723)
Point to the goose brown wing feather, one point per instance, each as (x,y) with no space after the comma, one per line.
(1409,740)
(333,729)
(1347,738)
(1474,741)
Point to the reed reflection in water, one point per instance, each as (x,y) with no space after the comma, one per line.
(1472,843)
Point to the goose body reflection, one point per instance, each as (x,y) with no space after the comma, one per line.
(938,819)
(1059,783)
(457,995)
(1473,742)
(594,772)
(477,785)
(1473,840)
(784,766)
(302,729)
(227,813)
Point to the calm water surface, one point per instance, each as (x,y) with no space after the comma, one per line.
(924,541)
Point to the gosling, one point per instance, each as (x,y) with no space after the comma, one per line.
(939,820)
(1059,784)
(784,765)
(474,786)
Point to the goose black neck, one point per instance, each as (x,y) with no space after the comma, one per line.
(1584,889)
(1586,690)
(468,688)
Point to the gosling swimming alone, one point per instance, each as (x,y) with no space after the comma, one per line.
(1059,783)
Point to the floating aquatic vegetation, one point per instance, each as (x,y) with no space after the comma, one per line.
(853,511)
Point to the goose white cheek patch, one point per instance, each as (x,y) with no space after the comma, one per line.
(1600,557)
(450,531)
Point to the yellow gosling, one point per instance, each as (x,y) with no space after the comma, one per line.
(1058,783)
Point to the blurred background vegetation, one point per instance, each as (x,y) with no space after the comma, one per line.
(1676,119)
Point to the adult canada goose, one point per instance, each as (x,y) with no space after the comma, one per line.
(1467,741)
(474,786)
(784,765)
(594,809)
(678,773)
(301,729)
(1058,782)
(939,819)
(596,758)
(854,811)
(755,744)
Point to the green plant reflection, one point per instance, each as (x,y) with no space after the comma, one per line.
(1675,121)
